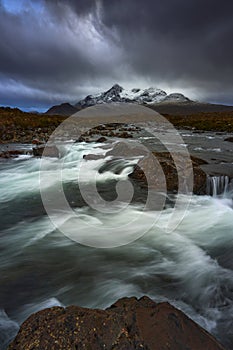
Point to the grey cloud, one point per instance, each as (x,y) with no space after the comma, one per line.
(189,40)
(81,7)
(40,49)
(42,53)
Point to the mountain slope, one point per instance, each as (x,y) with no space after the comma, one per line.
(189,108)
(64,109)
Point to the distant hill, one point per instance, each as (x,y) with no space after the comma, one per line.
(8,110)
(65,109)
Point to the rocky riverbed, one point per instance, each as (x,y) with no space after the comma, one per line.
(212,152)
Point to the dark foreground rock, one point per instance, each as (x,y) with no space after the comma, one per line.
(46,151)
(11,154)
(148,172)
(229,139)
(128,324)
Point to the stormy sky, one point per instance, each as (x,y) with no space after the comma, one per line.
(54,51)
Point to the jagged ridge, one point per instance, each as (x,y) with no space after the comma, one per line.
(150,96)
(118,94)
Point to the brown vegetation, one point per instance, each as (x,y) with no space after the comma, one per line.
(18,126)
(213,121)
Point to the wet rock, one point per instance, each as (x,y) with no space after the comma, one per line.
(93,156)
(82,139)
(115,165)
(101,139)
(101,132)
(11,154)
(129,324)
(37,142)
(148,173)
(127,150)
(46,151)
(124,135)
(229,139)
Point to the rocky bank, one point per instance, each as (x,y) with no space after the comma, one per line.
(129,324)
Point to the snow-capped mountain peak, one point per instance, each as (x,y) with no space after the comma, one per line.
(136,95)
(150,95)
(176,97)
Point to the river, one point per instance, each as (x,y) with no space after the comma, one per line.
(191,266)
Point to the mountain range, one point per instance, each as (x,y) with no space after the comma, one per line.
(152,97)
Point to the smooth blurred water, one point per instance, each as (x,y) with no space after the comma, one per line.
(191,267)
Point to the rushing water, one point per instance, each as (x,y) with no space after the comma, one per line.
(191,267)
(218,185)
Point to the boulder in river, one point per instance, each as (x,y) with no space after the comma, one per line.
(149,164)
(101,139)
(129,324)
(46,151)
(229,139)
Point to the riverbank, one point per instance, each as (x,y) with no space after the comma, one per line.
(22,127)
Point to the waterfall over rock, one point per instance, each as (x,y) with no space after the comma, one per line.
(218,185)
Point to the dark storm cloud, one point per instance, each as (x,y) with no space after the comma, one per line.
(41,48)
(62,47)
(82,7)
(190,41)
(55,59)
